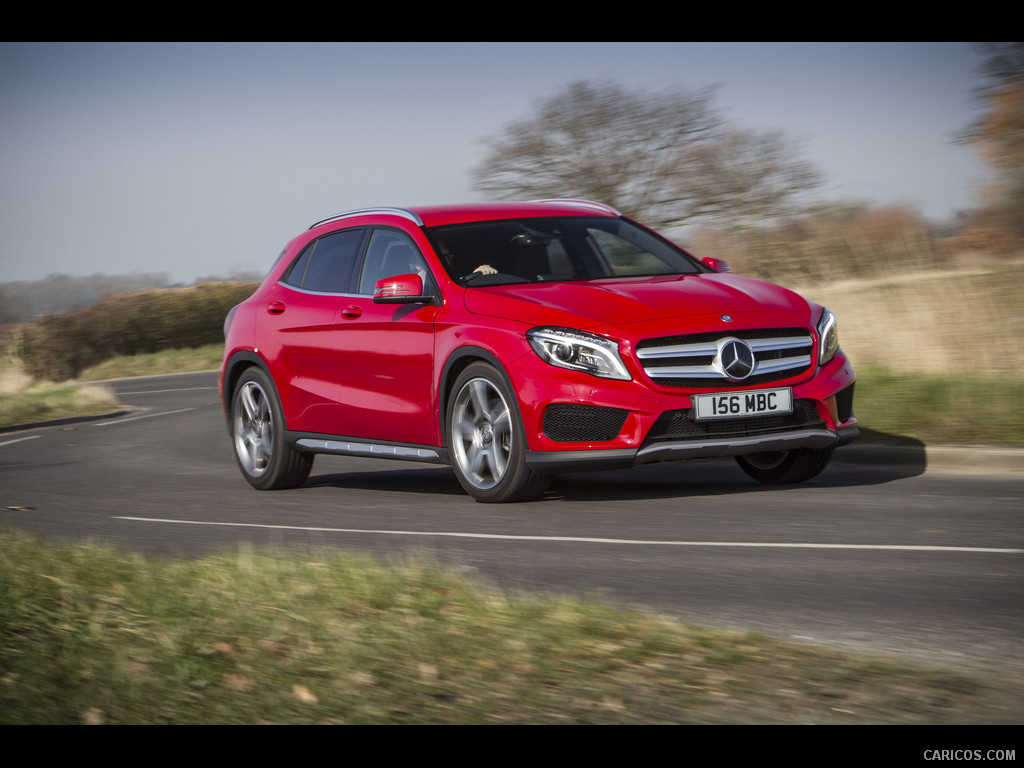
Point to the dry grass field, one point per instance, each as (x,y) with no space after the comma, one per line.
(968,321)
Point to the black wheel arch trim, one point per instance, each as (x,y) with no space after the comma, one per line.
(469,354)
(233,370)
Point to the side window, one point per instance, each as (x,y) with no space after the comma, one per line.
(326,264)
(392,253)
(624,257)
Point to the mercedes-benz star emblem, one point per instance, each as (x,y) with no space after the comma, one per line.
(736,359)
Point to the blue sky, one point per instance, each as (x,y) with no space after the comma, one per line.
(203,159)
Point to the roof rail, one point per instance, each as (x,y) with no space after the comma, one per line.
(404,213)
(590,203)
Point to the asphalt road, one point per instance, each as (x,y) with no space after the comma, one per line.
(874,554)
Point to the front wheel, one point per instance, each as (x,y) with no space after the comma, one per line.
(257,429)
(486,440)
(778,467)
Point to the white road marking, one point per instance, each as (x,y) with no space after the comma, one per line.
(144,416)
(588,540)
(157,391)
(19,440)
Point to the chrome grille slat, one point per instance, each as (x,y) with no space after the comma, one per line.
(693,371)
(789,342)
(797,363)
(710,347)
(689,361)
(678,350)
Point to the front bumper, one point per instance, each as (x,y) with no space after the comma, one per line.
(552,462)
(631,423)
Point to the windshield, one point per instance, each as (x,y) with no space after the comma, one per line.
(553,249)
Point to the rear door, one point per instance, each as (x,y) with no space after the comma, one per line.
(302,313)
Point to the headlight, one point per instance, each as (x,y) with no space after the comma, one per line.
(829,335)
(579,351)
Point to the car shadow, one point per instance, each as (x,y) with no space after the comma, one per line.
(882,458)
(405,478)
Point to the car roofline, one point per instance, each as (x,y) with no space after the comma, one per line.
(405,213)
(597,206)
(412,216)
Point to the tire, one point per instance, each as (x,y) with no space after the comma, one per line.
(486,441)
(257,429)
(785,466)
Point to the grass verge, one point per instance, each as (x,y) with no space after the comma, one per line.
(941,409)
(89,634)
(24,401)
(205,358)
(43,402)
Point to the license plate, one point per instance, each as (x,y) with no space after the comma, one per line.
(737,405)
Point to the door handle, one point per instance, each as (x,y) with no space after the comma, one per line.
(352,311)
(275,307)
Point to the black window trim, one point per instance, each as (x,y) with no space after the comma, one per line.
(348,284)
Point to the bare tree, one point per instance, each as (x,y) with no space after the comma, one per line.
(666,158)
(998,134)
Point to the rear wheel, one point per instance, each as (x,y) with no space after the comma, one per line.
(785,466)
(257,428)
(486,440)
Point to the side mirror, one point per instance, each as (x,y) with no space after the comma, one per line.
(401,289)
(718,265)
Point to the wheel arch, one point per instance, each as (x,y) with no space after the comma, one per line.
(457,362)
(237,365)
(490,455)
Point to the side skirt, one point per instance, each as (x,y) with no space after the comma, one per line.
(352,446)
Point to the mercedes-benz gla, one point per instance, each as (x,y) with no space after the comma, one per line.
(514,341)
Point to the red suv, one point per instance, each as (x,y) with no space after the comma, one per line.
(518,340)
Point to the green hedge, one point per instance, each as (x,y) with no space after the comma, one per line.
(60,346)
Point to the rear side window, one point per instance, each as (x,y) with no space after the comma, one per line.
(326,264)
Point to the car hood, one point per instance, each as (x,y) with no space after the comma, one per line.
(595,303)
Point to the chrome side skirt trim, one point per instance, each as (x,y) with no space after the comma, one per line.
(373,450)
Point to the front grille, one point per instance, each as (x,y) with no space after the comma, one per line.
(678,425)
(691,361)
(566,423)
